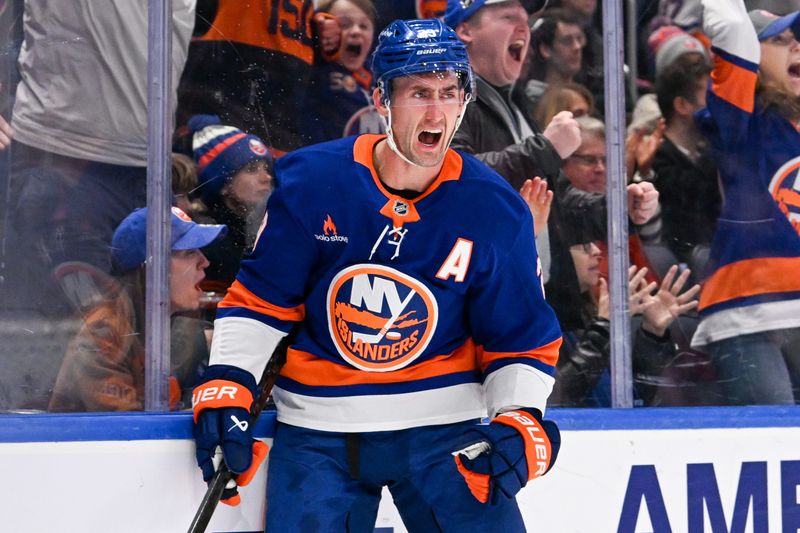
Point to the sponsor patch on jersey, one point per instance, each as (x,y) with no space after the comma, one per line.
(785,189)
(329,232)
(379,318)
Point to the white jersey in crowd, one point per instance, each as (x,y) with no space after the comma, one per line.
(83,69)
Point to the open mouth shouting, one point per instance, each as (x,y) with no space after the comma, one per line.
(794,70)
(430,137)
(516,50)
(354,49)
(353,52)
(793,73)
(198,287)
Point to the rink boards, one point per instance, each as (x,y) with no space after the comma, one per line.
(697,469)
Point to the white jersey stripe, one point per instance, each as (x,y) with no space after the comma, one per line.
(245,343)
(743,320)
(517,385)
(386,412)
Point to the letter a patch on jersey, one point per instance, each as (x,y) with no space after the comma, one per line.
(457,263)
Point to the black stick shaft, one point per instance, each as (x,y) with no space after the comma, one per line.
(209,503)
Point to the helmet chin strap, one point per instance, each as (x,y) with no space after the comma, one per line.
(390,133)
(390,138)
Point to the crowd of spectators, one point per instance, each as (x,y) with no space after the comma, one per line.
(711,161)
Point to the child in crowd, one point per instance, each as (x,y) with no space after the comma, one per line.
(103,369)
(340,101)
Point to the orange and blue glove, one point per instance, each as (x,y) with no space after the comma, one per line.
(221,404)
(498,459)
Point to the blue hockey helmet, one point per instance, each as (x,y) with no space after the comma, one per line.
(408,47)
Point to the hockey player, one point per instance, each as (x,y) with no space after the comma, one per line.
(411,273)
(750,303)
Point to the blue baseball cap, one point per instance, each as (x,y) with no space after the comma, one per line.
(769,25)
(129,243)
(458,11)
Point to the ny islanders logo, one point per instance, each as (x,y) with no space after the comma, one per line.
(379,318)
(785,189)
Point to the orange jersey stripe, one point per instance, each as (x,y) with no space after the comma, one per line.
(311,370)
(547,354)
(259,24)
(751,277)
(734,84)
(239,296)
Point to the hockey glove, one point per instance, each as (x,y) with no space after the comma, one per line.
(221,406)
(498,459)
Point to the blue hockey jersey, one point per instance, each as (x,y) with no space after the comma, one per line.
(411,312)
(753,276)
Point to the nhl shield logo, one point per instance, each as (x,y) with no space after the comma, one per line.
(400,208)
(379,319)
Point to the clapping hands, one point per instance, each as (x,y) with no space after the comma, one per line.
(660,308)
(658,305)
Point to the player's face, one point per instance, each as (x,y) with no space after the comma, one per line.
(586,258)
(186,273)
(357,34)
(497,38)
(425,109)
(780,62)
(586,168)
(251,185)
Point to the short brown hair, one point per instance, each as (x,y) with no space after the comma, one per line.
(184,174)
(366,6)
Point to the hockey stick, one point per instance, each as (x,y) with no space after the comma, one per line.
(223,476)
